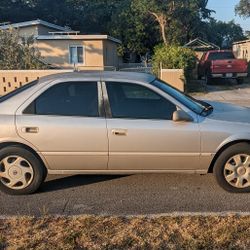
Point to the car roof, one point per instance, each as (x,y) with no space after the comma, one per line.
(101,75)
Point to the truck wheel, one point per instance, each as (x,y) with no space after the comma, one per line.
(240,80)
(207,79)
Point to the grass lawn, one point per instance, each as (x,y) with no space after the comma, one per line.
(94,232)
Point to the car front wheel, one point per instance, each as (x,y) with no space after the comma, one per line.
(232,168)
(21,172)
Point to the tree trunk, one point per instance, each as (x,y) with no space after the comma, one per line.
(162,20)
(163,33)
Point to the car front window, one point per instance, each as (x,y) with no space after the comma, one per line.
(133,101)
(196,106)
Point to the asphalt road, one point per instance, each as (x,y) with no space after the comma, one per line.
(126,195)
(131,195)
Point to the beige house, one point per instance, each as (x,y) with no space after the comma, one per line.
(83,51)
(63,48)
(242,49)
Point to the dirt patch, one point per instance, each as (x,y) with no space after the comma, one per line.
(93,232)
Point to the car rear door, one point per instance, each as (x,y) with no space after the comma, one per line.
(142,135)
(66,125)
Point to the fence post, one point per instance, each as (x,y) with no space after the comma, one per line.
(160,70)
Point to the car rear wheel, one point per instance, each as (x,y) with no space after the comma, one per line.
(232,168)
(21,172)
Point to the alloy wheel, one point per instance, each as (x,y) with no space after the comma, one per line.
(16,172)
(237,171)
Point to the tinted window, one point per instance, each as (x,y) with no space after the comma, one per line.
(186,100)
(67,99)
(221,56)
(138,102)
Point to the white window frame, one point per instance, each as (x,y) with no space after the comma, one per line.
(83,54)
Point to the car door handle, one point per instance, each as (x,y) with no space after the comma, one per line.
(30,130)
(119,132)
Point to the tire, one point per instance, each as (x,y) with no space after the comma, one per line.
(22,165)
(240,80)
(207,79)
(231,168)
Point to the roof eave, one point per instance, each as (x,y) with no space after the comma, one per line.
(78,37)
(33,23)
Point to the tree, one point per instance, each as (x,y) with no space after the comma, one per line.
(18,54)
(221,33)
(138,33)
(243,8)
(182,16)
(190,15)
(161,10)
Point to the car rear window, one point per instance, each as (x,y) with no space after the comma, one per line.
(18,91)
(221,56)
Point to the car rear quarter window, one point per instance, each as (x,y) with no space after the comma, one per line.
(67,99)
(129,100)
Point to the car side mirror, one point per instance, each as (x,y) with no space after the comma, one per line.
(182,116)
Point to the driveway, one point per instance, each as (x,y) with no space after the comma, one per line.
(135,194)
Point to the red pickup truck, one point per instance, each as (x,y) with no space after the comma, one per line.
(222,64)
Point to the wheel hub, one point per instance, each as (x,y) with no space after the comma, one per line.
(15,172)
(237,171)
(241,171)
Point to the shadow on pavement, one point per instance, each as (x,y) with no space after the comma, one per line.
(75,181)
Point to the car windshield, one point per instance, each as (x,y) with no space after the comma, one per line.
(17,91)
(199,107)
(221,56)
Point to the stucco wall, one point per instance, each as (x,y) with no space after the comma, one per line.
(42,30)
(174,77)
(12,79)
(110,55)
(242,50)
(56,52)
(34,30)
(28,31)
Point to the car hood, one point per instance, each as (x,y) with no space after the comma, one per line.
(229,112)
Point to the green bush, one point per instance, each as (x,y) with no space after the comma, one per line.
(174,57)
(18,53)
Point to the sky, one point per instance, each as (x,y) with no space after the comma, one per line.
(225,12)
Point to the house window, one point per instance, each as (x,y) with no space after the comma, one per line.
(76,55)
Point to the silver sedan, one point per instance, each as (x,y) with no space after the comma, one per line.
(118,123)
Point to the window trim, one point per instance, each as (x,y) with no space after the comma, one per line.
(107,105)
(83,55)
(101,112)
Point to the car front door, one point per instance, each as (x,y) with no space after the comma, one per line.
(142,135)
(66,126)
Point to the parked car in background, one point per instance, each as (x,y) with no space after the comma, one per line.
(222,64)
(118,123)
